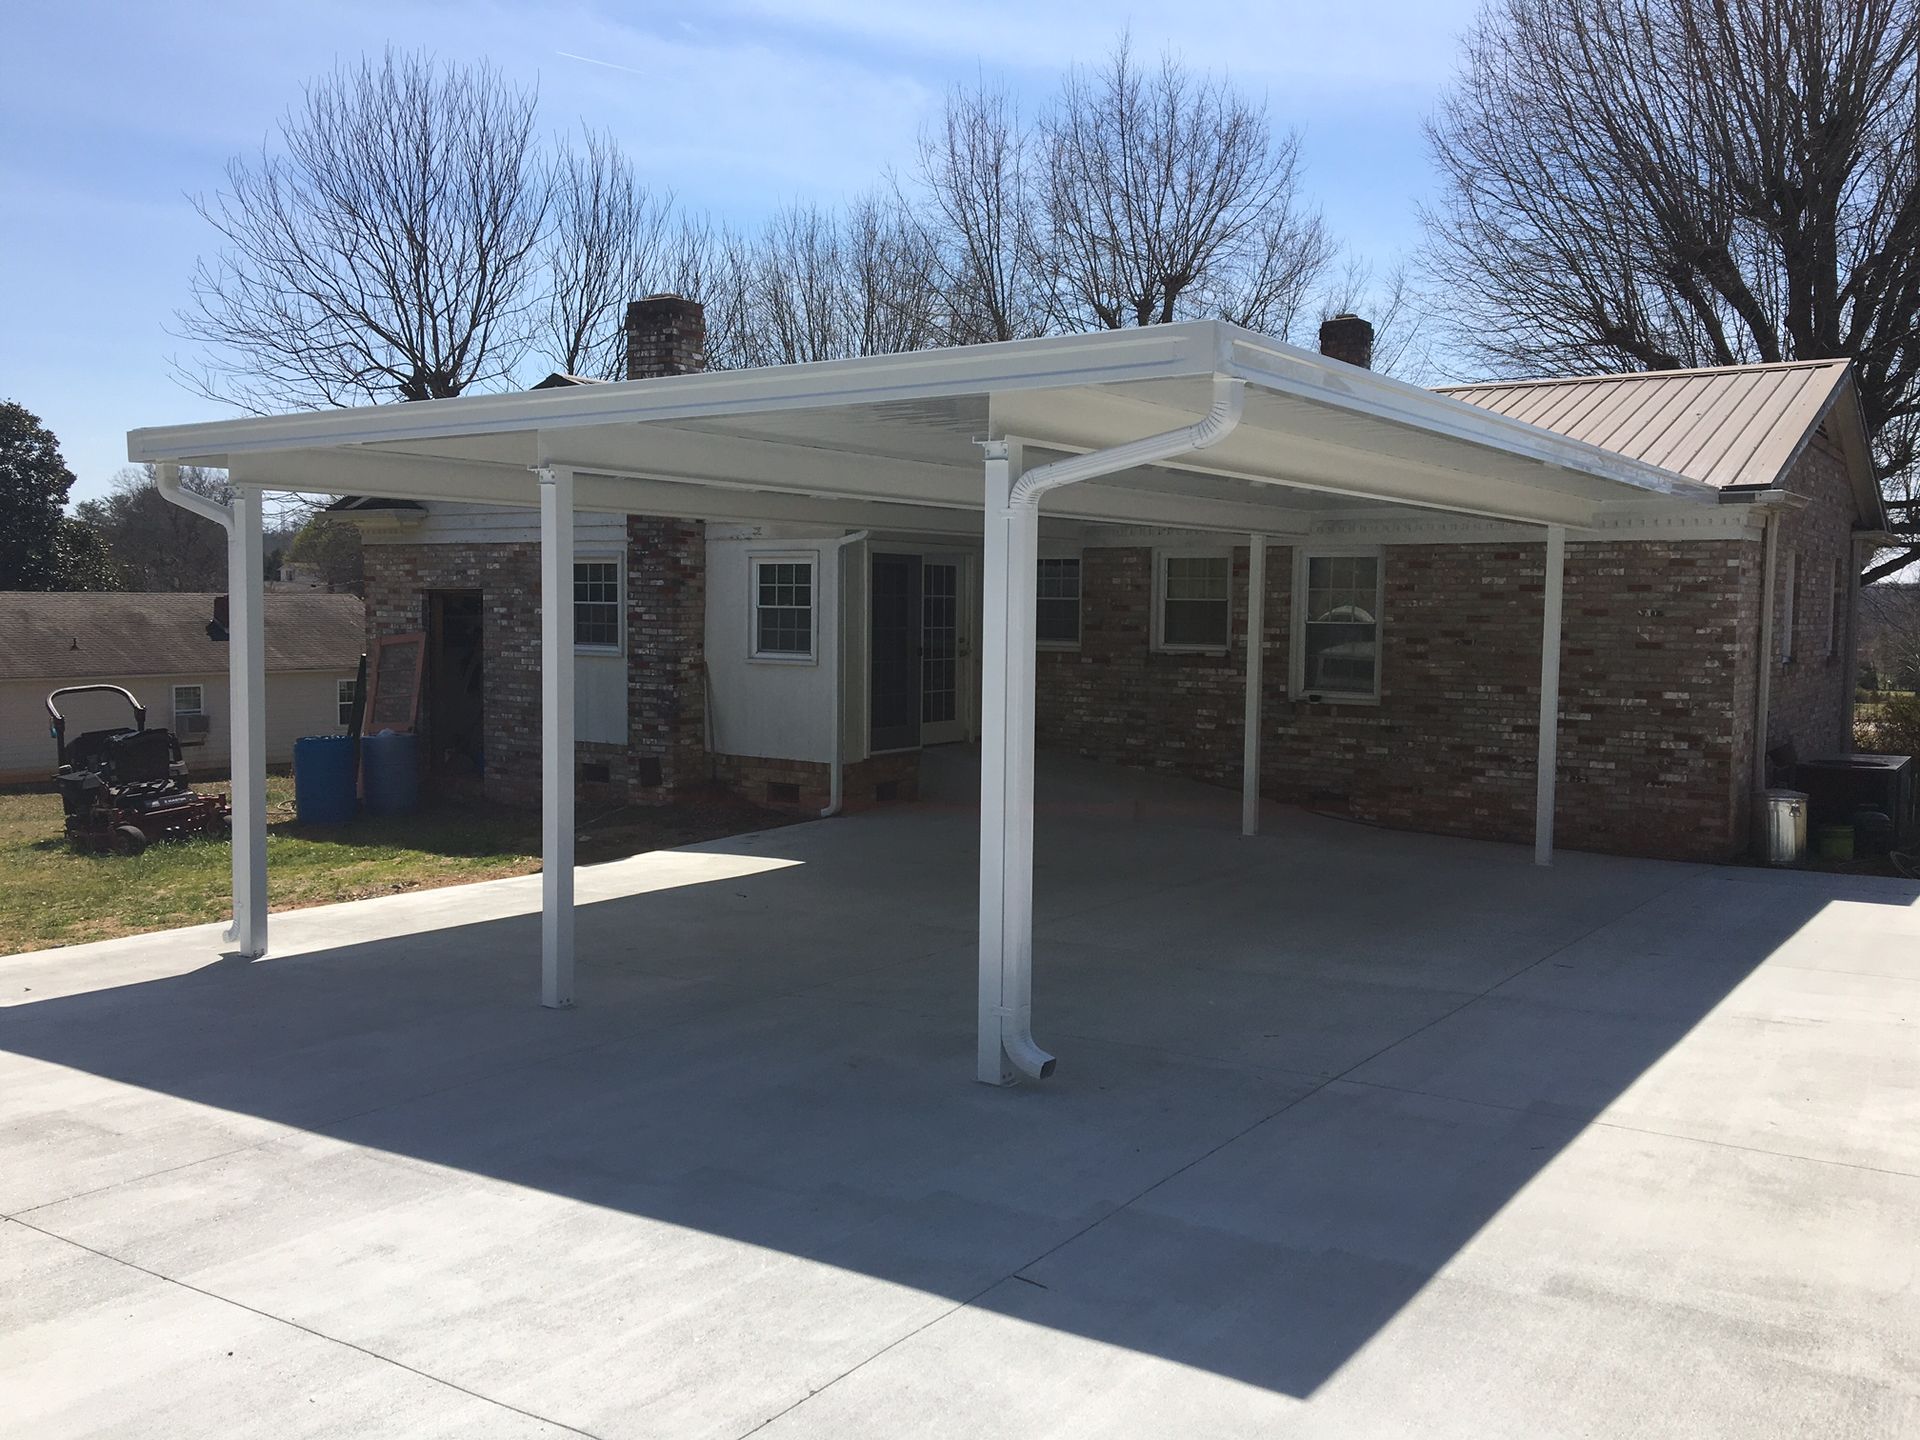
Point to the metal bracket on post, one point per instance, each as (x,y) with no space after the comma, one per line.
(556,736)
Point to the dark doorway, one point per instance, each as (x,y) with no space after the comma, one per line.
(456,709)
(894,644)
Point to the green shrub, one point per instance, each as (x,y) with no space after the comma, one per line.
(1891,727)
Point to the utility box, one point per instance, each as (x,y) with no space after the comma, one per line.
(1837,786)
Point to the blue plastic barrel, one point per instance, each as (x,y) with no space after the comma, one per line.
(390,767)
(323,779)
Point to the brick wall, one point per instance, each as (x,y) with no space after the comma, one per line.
(507,576)
(1807,694)
(1653,709)
(666,602)
(804,787)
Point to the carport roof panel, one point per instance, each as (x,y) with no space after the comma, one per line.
(928,408)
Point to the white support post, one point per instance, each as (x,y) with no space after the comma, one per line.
(556,736)
(247,703)
(1256,656)
(1012,548)
(1549,742)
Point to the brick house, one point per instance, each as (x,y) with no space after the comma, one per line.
(1400,684)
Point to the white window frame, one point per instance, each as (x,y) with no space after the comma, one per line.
(1789,585)
(1160,559)
(343,699)
(199,706)
(809,558)
(1079,599)
(619,644)
(1303,556)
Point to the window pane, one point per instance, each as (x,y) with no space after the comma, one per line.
(1194,622)
(596,602)
(1058,612)
(783,607)
(1058,621)
(1342,657)
(1196,577)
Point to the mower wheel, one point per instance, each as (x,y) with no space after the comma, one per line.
(127,840)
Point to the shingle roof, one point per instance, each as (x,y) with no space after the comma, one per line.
(74,636)
(1736,425)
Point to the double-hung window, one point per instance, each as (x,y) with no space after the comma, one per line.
(1336,625)
(783,607)
(596,604)
(1193,610)
(343,699)
(1057,609)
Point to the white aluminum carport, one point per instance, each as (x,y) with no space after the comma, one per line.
(1195,427)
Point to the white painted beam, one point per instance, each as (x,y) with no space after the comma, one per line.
(556,736)
(247,704)
(1256,658)
(1547,759)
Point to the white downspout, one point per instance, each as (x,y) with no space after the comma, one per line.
(246,699)
(1007,713)
(837,773)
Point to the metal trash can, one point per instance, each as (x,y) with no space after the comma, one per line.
(1785,832)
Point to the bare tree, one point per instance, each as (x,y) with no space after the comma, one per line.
(152,543)
(1665,183)
(1398,310)
(820,285)
(384,253)
(978,194)
(1168,196)
(608,245)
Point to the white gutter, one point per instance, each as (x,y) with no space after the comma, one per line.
(837,774)
(1229,398)
(1006,811)
(166,479)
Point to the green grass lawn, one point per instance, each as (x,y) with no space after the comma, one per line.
(51,894)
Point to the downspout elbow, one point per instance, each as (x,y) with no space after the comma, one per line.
(1220,421)
(166,479)
(1016,1038)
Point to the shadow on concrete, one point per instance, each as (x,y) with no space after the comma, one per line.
(783,1059)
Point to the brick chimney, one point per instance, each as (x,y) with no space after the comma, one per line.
(666,335)
(1345,337)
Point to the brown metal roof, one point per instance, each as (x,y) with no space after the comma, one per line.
(72,636)
(1738,425)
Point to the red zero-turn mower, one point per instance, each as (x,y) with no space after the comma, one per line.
(123,788)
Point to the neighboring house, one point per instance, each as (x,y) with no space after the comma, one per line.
(1402,650)
(159,647)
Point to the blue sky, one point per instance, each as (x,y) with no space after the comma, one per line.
(111,116)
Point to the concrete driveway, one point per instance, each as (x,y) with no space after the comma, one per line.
(1354,1134)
